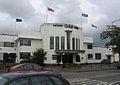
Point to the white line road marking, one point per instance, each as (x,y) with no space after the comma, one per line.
(82,81)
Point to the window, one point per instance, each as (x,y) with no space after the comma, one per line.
(25,42)
(89,46)
(77,58)
(3,80)
(73,43)
(68,40)
(76,44)
(36,66)
(22,81)
(57,81)
(79,44)
(9,44)
(62,42)
(51,42)
(28,66)
(41,81)
(97,56)
(24,55)
(90,56)
(57,42)
(54,57)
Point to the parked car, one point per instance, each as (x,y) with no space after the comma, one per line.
(28,67)
(32,78)
(105,61)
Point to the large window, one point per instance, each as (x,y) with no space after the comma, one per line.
(51,42)
(62,42)
(89,46)
(97,56)
(25,42)
(73,43)
(90,56)
(79,44)
(24,55)
(76,44)
(9,44)
(56,42)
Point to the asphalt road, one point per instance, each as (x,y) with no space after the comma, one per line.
(105,77)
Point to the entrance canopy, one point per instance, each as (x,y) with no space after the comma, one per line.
(70,51)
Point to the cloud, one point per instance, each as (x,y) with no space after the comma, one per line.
(34,12)
(17,8)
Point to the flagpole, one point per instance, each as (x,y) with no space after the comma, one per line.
(46,14)
(81,20)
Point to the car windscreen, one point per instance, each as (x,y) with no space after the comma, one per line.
(3,80)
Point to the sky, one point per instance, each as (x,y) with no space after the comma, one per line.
(34,12)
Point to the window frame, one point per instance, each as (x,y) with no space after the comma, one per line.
(90,56)
(62,42)
(97,55)
(57,42)
(25,42)
(51,42)
(89,46)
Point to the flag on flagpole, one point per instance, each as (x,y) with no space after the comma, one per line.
(18,20)
(84,15)
(94,26)
(50,9)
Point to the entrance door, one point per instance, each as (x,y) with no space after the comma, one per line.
(68,58)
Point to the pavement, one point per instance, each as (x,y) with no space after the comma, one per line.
(84,68)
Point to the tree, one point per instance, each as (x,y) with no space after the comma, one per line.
(39,56)
(113,34)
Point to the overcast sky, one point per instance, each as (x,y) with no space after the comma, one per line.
(33,14)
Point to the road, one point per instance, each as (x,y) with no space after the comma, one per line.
(104,77)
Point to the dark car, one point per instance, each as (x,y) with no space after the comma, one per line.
(105,61)
(32,78)
(28,67)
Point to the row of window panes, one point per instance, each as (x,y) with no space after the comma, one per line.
(77,43)
(97,56)
(57,42)
(63,43)
(9,44)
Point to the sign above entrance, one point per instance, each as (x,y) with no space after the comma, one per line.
(66,26)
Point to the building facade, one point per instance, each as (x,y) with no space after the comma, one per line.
(64,43)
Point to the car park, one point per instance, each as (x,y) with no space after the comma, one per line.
(32,78)
(28,67)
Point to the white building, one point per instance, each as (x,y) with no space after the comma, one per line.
(64,43)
